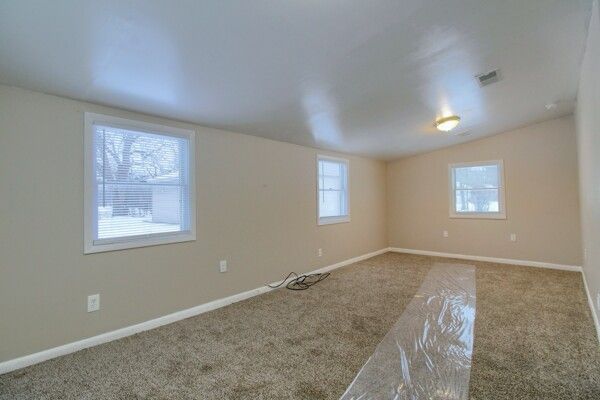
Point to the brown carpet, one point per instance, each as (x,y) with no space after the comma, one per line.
(534,339)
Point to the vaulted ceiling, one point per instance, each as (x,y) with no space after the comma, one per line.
(364,77)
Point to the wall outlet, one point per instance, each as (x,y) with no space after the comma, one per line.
(320,252)
(445,233)
(223,266)
(513,237)
(93,302)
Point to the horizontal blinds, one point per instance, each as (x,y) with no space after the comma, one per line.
(333,193)
(142,183)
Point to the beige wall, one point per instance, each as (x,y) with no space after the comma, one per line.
(256,208)
(540,169)
(588,138)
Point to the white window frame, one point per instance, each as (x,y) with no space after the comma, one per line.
(500,214)
(338,219)
(90,186)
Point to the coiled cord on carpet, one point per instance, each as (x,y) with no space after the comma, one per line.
(301,282)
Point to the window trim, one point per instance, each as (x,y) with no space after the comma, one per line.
(501,214)
(337,219)
(90,215)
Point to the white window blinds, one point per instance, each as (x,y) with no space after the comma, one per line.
(142,184)
(332,190)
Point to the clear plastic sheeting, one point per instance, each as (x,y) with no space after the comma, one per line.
(427,353)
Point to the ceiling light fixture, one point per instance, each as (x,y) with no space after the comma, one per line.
(446,124)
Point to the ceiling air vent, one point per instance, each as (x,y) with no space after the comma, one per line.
(488,78)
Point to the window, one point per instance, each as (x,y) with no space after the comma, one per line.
(139,184)
(332,192)
(477,190)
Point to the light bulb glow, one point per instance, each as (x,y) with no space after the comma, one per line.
(446,124)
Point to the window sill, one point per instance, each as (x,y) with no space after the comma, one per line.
(132,243)
(479,216)
(333,220)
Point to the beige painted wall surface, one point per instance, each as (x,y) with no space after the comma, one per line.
(588,139)
(540,168)
(256,208)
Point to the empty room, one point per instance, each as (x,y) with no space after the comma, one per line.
(299,199)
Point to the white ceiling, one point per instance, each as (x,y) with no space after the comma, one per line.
(364,77)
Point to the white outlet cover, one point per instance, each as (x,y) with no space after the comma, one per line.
(93,302)
(513,237)
(223,265)
(445,233)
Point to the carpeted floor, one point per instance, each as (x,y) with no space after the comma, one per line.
(534,339)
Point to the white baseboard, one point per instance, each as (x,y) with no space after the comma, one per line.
(527,263)
(591,304)
(68,348)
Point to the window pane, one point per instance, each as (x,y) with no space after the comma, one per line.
(142,183)
(331,183)
(331,168)
(476,177)
(477,201)
(329,203)
(333,176)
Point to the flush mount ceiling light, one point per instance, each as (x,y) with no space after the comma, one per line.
(446,124)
